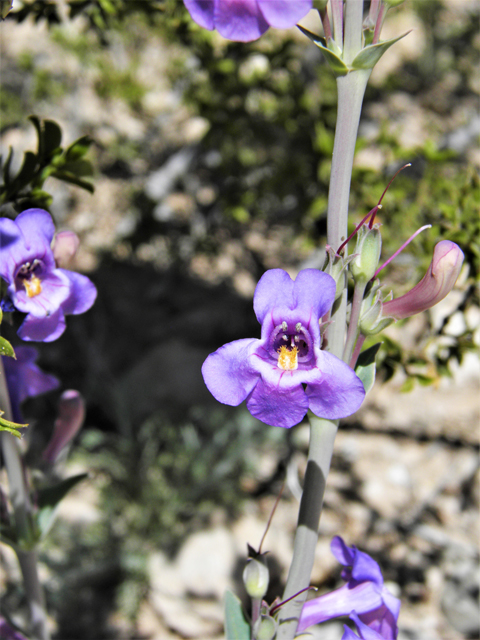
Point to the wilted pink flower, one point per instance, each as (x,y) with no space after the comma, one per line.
(71,413)
(433,287)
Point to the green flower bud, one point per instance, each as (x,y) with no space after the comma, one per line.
(335,266)
(255,575)
(371,319)
(367,253)
(265,628)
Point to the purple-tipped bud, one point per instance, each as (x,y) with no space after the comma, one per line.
(65,246)
(433,287)
(71,413)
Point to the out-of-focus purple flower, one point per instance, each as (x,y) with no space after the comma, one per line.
(71,414)
(25,379)
(433,287)
(246,20)
(285,373)
(8,633)
(364,595)
(36,286)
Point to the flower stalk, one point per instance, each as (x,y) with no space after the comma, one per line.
(26,553)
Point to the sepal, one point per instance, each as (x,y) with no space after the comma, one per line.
(336,265)
(372,320)
(368,57)
(330,50)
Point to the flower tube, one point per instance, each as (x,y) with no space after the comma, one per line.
(434,286)
(364,595)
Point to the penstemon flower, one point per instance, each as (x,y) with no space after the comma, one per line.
(246,20)
(286,372)
(435,285)
(36,286)
(364,598)
(25,379)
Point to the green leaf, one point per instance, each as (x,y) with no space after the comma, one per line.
(73,179)
(337,65)
(52,137)
(365,368)
(79,167)
(236,626)
(6,168)
(48,499)
(78,148)
(369,56)
(27,170)
(6,348)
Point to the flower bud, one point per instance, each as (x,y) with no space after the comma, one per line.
(65,246)
(434,286)
(255,575)
(265,628)
(372,320)
(335,266)
(71,413)
(367,253)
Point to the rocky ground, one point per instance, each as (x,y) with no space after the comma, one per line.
(404,484)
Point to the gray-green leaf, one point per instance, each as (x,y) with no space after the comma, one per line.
(365,368)
(369,56)
(236,626)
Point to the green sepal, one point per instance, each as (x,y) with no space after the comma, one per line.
(6,348)
(236,625)
(370,55)
(336,64)
(11,427)
(48,499)
(365,367)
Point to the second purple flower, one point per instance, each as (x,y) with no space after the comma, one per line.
(285,373)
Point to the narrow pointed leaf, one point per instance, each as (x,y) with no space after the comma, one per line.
(48,499)
(6,348)
(236,626)
(365,368)
(27,170)
(6,168)
(337,65)
(52,137)
(369,56)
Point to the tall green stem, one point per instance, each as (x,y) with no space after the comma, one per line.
(322,436)
(27,556)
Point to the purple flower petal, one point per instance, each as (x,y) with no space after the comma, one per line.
(228,373)
(363,598)
(278,400)
(25,379)
(239,20)
(384,619)
(43,329)
(274,289)
(363,566)
(202,12)
(82,293)
(9,235)
(55,289)
(339,393)
(37,228)
(366,632)
(283,14)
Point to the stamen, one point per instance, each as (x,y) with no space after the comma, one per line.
(33,286)
(287,358)
(298,327)
(427,226)
(284,325)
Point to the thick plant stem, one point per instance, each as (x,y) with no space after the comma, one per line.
(322,436)
(351,89)
(19,498)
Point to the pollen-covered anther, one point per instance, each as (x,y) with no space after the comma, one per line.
(287,358)
(33,286)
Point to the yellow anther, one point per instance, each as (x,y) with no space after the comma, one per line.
(33,286)
(288,358)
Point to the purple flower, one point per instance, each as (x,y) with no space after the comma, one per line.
(25,379)
(434,286)
(8,633)
(35,285)
(285,373)
(246,20)
(364,597)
